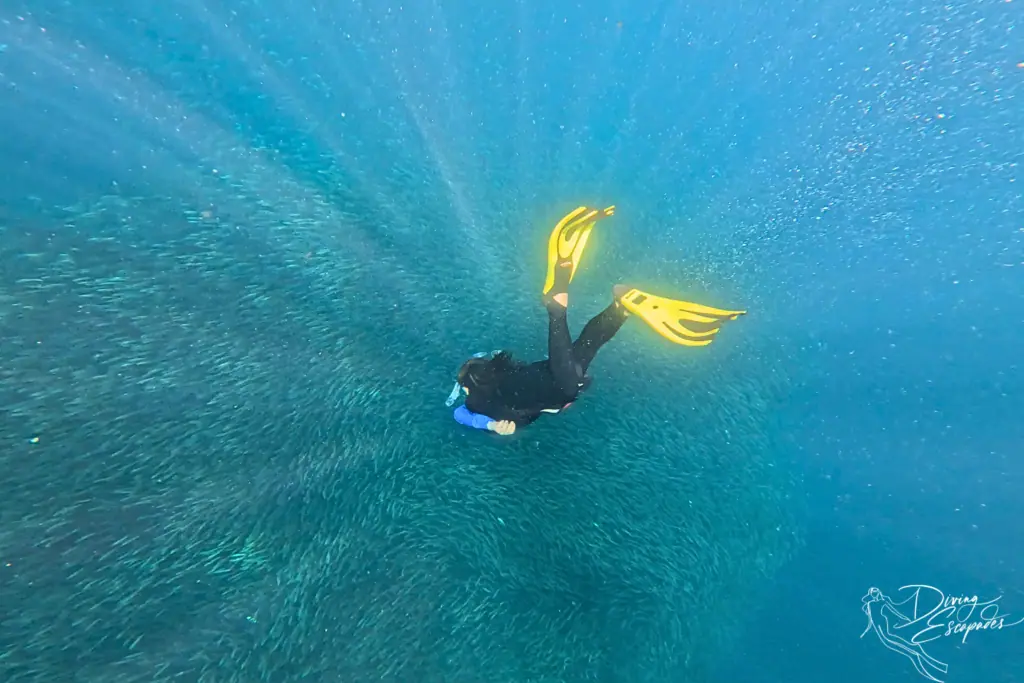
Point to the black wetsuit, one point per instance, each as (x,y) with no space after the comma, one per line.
(524,391)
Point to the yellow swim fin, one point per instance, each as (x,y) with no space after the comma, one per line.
(674,320)
(566,244)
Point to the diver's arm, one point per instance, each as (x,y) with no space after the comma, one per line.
(464,416)
(887,604)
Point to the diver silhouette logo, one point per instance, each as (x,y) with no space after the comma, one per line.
(904,627)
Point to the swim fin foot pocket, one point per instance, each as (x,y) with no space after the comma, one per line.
(566,245)
(681,322)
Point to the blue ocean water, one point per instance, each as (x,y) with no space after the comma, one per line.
(847,172)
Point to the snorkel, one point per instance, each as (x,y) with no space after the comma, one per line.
(454,396)
(457,388)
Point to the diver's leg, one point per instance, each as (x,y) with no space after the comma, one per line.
(598,332)
(566,371)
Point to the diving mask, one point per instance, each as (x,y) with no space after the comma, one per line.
(457,388)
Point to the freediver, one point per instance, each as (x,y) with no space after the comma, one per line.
(878,607)
(503,394)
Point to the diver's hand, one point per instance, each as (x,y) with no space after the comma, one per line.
(503,427)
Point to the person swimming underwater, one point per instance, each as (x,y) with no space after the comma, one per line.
(503,394)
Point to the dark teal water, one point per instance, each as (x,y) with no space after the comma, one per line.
(244,246)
